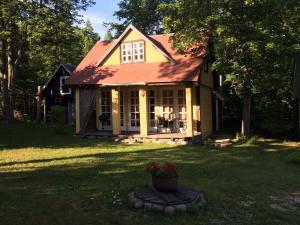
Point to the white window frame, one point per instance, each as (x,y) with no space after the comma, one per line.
(140,51)
(128,52)
(129,49)
(61,85)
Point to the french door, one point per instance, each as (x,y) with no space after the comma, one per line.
(105,110)
(174,106)
(134,111)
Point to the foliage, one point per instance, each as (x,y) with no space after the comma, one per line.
(108,36)
(259,37)
(57,114)
(143,14)
(35,37)
(59,179)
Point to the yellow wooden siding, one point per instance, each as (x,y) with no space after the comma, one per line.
(189,111)
(115,98)
(143,107)
(195,110)
(206,111)
(206,78)
(152,54)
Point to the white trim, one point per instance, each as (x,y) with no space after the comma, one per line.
(108,51)
(61,86)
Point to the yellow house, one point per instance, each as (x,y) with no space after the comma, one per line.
(140,84)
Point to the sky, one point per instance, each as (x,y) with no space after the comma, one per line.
(101,12)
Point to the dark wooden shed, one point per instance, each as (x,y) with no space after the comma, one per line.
(55,93)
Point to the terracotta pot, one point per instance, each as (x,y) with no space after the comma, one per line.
(165,184)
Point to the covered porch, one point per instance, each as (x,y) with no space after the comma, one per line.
(139,111)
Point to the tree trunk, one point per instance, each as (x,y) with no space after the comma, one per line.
(246,120)
(6,101)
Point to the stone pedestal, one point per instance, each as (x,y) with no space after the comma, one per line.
(183,200)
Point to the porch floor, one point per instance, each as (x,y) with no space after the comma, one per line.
(136,137)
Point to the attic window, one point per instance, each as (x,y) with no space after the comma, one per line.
(132,52)
(63,90)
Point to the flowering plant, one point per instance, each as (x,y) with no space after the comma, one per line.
(166,170)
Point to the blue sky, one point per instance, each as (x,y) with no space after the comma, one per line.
(101,12)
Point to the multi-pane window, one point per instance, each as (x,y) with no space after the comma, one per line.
(151,108)
(134,109)
(132,52)
(126,52)
(64,90)
(138,51)
(106,108)
(168,103)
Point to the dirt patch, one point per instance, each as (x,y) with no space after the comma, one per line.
(285,203)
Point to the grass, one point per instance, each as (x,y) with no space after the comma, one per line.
(48,179)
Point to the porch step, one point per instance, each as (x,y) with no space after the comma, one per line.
(222,141)
(177,139)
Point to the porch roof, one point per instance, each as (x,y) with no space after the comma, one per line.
(185,69)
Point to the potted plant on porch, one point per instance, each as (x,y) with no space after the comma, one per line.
(165,177)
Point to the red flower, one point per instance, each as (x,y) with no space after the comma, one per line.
(166,167)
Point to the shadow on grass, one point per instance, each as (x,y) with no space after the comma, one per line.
(83,190)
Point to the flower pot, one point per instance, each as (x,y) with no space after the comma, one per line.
(165,184)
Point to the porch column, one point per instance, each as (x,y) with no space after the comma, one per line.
(143,104)
(189,111)
(116,120)
(77,110)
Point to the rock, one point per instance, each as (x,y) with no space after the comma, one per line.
(147,206)
(158,208)
(180,208)
(138,204)
(170,210)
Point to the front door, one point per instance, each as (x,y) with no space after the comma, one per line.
(134,111)
(105,110)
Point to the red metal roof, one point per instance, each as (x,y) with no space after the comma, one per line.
(186,68)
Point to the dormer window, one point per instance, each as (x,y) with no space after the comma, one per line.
(132,52)
(64,90)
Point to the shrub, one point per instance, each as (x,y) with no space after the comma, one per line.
(57,117)
(57,114)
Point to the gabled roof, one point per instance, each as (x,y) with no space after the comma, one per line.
(67,66)
(115,44)
(178,68)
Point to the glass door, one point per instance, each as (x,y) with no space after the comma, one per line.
(151,110)
(134,111)
(105,110)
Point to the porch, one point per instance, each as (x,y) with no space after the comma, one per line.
(152,112)
(133,137)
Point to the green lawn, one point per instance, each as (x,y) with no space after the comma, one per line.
(48,179)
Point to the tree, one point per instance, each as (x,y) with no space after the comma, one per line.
(143,14)
(34,31)
(253,42)
(107,36)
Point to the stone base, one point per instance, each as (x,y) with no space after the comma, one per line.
(167,203)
